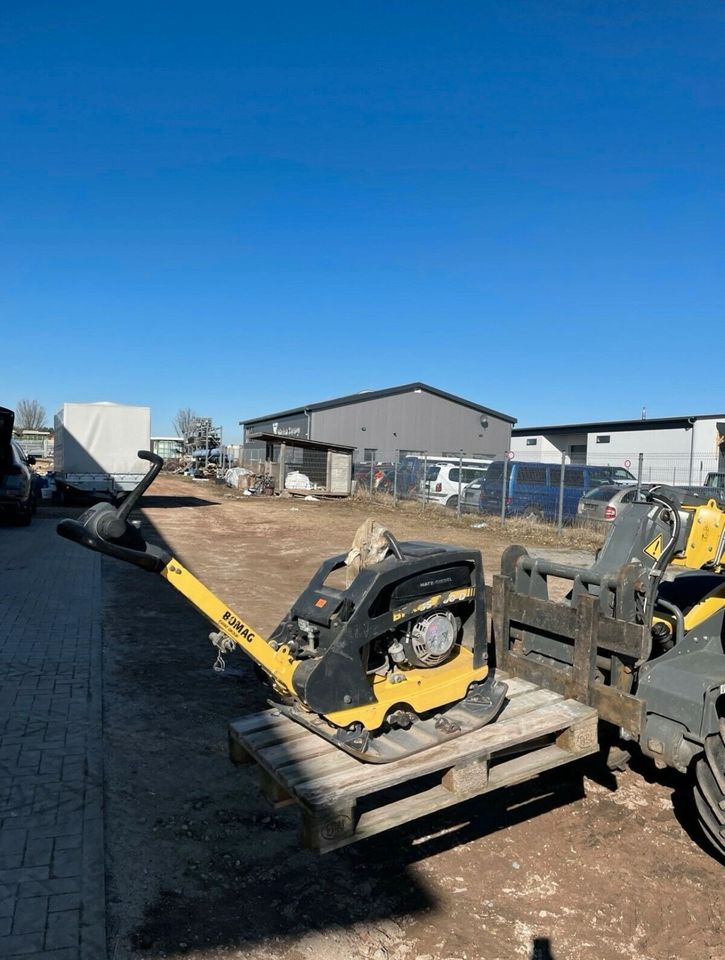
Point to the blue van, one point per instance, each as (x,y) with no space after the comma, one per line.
(532,488)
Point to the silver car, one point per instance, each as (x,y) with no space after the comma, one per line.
(605,503)
(471,496)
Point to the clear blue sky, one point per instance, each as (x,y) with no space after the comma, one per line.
(241,207)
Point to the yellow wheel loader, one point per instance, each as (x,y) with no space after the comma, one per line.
(640,635)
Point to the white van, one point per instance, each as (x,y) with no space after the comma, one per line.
(445,477)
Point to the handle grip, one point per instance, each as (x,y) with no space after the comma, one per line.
(114,525)
(106,529)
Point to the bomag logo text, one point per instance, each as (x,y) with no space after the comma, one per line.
(238,626)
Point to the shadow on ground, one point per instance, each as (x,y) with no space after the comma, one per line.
(196,859)
(172,503)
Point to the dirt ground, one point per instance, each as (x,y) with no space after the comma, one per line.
(580,864)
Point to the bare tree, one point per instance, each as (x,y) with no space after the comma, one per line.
(29,415)
(184,422)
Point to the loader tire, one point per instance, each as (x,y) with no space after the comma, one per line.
(709,789)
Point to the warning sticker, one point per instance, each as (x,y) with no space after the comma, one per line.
(654,549)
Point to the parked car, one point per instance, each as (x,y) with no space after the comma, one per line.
(382,475)
(471,496)
(604,504)
(444,480)
(17,490)
(532,488)
(716,481)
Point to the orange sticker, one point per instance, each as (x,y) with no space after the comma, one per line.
(320,603)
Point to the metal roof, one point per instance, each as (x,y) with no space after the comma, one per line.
(653,423)
(379,395)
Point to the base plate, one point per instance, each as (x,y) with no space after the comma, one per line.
(481,705)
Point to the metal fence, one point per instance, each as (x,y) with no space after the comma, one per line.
(38,447)
(509,484)
(293,467)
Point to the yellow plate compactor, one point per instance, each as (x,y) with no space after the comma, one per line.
(391,665)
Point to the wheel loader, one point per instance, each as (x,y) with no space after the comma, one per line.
(396,662)
(639,635)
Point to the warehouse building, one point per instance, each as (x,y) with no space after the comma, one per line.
(674,449)
(412,418)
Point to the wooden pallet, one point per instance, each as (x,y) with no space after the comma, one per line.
(536,731)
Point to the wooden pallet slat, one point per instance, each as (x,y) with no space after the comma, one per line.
(537,730)
(528,726)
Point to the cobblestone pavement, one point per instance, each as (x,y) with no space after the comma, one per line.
(52,902)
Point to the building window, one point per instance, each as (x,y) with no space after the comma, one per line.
(603,438)
(370,453)
(531,441)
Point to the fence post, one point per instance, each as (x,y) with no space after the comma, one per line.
(425,480)
(640,464)
(282,452)
(372,469)
(460,474)
(503,488)
(395,479)
(560,512)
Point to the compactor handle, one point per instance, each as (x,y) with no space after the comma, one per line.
(115,527)
(106,529)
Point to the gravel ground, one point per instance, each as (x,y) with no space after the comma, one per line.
(576,865)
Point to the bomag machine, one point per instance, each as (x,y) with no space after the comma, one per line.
(396,662)
(386,667)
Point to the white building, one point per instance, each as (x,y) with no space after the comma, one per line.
(673,449)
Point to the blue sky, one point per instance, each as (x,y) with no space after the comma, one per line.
(241,207)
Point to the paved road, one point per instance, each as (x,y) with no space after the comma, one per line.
(52,902)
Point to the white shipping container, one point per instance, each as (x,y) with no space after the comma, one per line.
(101,438)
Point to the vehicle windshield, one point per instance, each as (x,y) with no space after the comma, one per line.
(715,480)
(600,475)
(604,492)
(619,473)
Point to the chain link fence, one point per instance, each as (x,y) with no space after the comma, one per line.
(37,446)
(511,485)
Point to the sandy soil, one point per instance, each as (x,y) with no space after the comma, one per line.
(577,865)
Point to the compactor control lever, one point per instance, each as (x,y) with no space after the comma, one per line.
(106,528)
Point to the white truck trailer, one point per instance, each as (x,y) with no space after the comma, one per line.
(96,448)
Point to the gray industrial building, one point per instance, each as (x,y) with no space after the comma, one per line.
(412,418)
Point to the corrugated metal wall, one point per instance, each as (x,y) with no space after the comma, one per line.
(411,421)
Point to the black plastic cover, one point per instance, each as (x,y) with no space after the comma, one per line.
(318,606)
(432,581)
